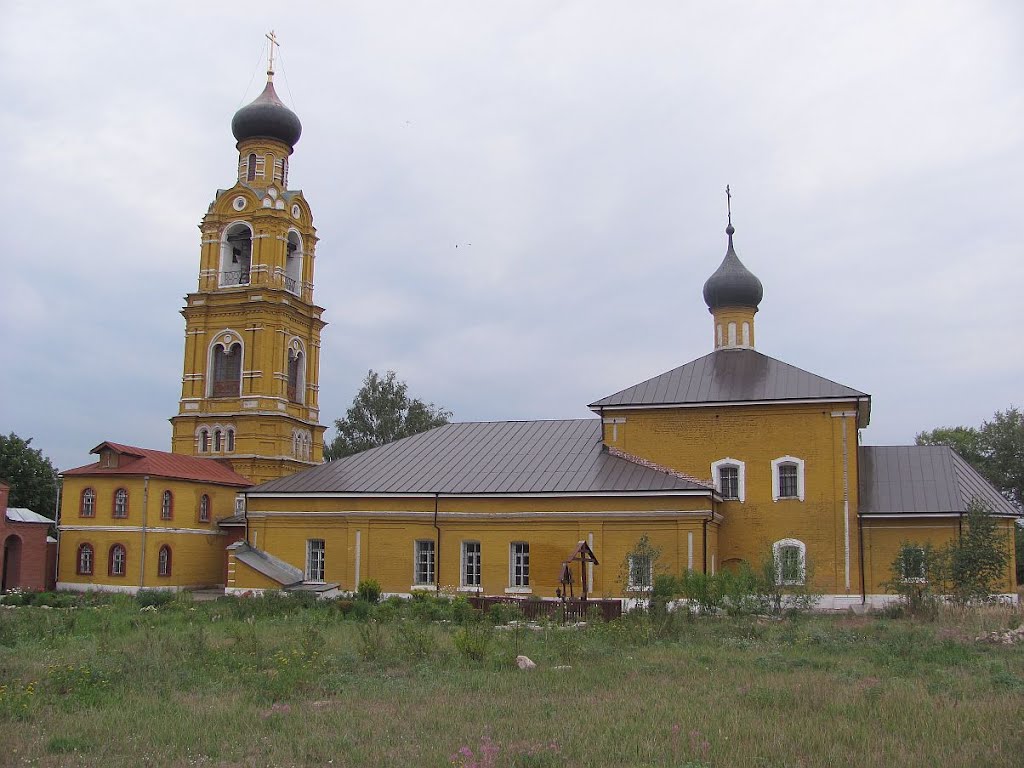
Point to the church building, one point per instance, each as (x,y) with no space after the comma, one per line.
(733,458)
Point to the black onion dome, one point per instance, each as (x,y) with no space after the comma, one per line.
(732,284)
(267,118)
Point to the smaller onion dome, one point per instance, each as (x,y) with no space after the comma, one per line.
(267,118)
(732,284)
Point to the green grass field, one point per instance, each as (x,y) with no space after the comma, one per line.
(281,682)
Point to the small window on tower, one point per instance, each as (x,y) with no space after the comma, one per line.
(250,174)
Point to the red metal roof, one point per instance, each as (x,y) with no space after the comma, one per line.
(145,461)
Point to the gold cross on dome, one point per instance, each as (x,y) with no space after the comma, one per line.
(728,202)
(270,63)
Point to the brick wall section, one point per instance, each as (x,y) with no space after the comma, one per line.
(30,565)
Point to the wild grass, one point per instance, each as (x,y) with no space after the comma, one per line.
(285,681)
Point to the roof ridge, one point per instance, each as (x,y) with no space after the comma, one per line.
(633,458)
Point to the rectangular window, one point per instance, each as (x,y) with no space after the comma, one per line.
(519,564)
(790,566)
(641,572)
(787,481)
(729,482)
(315,560)
(471,563)
(423,562)
(912,563)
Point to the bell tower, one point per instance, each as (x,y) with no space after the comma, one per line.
(252,332)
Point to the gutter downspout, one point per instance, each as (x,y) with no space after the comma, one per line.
(437,554)
(145,513)
(56,523)
(846,507)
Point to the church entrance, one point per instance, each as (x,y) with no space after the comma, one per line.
(12,563)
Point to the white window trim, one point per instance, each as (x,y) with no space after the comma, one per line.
(512,586)
(903,572)
(799,463)
(632,585)
(431,584)
(309,561)
(463,585)
(777,555)
(742,476)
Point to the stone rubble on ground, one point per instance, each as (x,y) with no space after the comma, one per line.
(1004,636)
(524,662)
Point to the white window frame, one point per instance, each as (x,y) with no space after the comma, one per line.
(919,579)
(424,560)
(164,559)
(741,473)
(120,503)
(799,464)
(316,560)
(634,568)
(167,505)
(469,558)
(777,548)
(519,567)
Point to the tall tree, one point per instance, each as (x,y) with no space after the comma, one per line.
(996,449)
(381,413)
(33,479)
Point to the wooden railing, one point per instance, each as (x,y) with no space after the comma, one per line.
(563,610)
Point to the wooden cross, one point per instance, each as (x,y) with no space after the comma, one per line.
(270,65)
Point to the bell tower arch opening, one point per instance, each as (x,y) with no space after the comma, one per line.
(236,254)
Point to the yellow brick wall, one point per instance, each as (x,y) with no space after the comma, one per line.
(197,549)
(690,439)
(552,527)
(883,539)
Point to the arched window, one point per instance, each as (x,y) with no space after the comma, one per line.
(85,560)
(227,370)
(787,478)
(236,254)
(118,560)
(218,442)
(295,377)
(167,506)
(270,169)
(284,172)
(204,509)
(204,441)
(250,174)
(163,561)
(729,476)
(231,439)
(293,263)
(88,507)
(121,503)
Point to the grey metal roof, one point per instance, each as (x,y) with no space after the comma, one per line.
(272,567)
(505,457)
(22,515)
(729,375)
(922,479)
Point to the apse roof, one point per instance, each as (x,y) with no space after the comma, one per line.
(922,479)
(729,376)
(146,461)
(501,457)
(22,515)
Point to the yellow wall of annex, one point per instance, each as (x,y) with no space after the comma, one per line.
(884,538)
(197,548)
(691,439)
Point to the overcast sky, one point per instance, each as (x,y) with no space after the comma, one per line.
(575,152)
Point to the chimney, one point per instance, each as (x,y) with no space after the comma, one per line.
(5,491)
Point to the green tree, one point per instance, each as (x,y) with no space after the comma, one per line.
(996,449)
(381,413)
(977,560)
(33,479)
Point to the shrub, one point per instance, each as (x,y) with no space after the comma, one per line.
(503,613)
(473,641)
(369,590)
(416,639)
